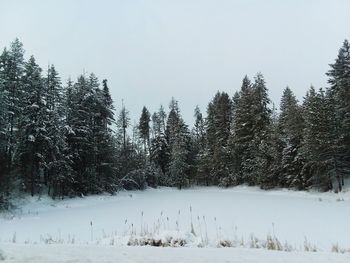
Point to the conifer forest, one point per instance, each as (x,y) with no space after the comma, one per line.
(64,138)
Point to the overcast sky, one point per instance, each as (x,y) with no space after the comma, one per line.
(151,50)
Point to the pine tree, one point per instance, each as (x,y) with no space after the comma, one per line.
(156,126)
(105,143)
(251,144)
(159,150)
(58,174)
(144,129)
(178,165)
(242,135)
(178,141)
(199,129)
(219,116)
(318,141)
(123,123)
(92,147)
(339,79)
(80,116)
(262,146)
(4,184)
(173,122)
(199,147)
(125,147)
(12,62)
(290,129)
(33,133)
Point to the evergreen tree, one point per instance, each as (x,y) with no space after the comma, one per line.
(219,115)
(262,145)
(290,129)
(179,166)
(12,62)
(61,138)
(80,116)
(123,123)
(339,79)
(159,150)
(318,141)
(252,147)
(144,129)
(173,122)
(4,184)
(178,140)
(126,151)
(162,118)
(199,130)
(242,135)
(105,143)
(33,133)
(156,126)
(199,146)
(58,173)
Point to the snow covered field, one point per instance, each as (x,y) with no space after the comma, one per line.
(232,216)
(77,254)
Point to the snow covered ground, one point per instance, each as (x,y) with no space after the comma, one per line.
(242,217)
(87,254)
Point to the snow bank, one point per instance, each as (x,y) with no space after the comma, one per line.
(16,253)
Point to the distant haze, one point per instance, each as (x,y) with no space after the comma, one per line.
(151,50)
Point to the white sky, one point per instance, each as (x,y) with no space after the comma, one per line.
(151,50)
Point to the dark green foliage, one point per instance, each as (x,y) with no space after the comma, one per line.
(262,141)
(11,87)
(144,129)
(159,150)
(59,140)
(251,143)
(219,116)
(4,177)
(32,126)
(142,178)
(90,141)
(58,172)
(290,135)
(104,141)
(198,146)
(242,134)
(320,141)
(339,79)
(178,141)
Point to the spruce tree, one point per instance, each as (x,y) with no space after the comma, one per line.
(262,146)
(159,150)
(242,135)
(219,116)
(12,62)
(178,140)
(105,142)
(125,146)
(80,116)
(144,129)
(199,129)
(58,173)
(252,149)
(199,146)
(33,134)
(123,124)
(4,184)
(290,131)
(339,80)
(318,141)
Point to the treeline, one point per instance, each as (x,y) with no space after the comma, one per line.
(58,139)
